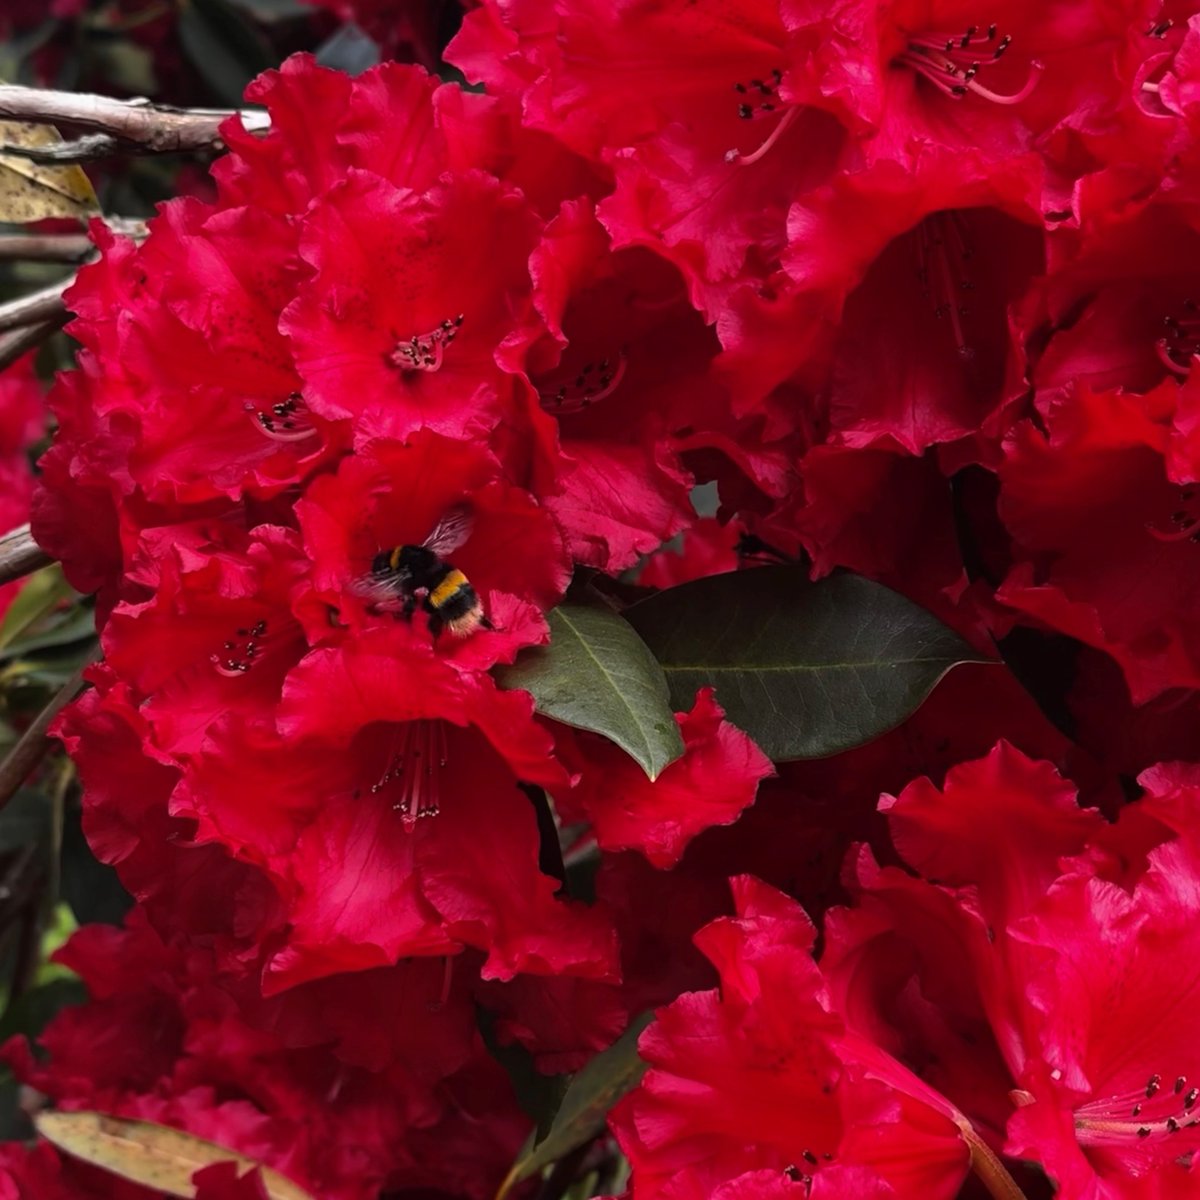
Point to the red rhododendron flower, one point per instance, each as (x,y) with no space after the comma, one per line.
(714,780)
(371,738)
(761,1076)
(1102,529)
(383,332)
(316,1084)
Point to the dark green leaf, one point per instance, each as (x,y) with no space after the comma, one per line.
(585,1105)
(538,1095)
(597,674)
(223,46)
(807,669)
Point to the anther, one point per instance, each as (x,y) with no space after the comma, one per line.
(767,91)
(592,383)
(950,63)
(285,421)
(426,351)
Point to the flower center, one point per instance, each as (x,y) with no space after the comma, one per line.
(593,381)
(1182,339)
(943,252)
(426,351)
(287,421)
(952,62)
(414,769)
(1152,1113)
(1185,520)
(241,651)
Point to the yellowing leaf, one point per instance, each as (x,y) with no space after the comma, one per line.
(30,191)
(153,1155)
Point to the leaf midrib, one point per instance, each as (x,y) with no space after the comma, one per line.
(646,747)
(756,669)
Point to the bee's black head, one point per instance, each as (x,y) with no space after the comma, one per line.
(401,560)
(381,564)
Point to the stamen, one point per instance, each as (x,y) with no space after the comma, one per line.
(287,421)
(1149,1114)
(1186,522)
(951,62)
(241,651)
(943,251)
(1182,342)
(415,766)
(745,160)
(760,98)
(593,382)
(426,351)
(1160,29)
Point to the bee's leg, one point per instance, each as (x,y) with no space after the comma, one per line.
(484,623)
(410,604)
(436,622)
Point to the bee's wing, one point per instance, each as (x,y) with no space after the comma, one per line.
(451,531)
(376,590)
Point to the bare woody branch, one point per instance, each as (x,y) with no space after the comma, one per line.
(136,125)
(20,554)
(38,307)
(14,344)
(45,247)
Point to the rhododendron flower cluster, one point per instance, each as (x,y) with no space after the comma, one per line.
(911,288)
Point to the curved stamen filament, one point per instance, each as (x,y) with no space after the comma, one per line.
(286,421)
(415,766)
(426,351)
(595,382)
(951,63)
(1148,1114)
(241,652)
(745,160)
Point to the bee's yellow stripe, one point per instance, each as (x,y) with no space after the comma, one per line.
(394,557)
(447,588)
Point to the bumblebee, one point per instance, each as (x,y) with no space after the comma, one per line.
(411,573)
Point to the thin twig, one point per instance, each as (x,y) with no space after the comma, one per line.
(81,149)
(13,345)
(33,744)
(20,555)
(46,304)
(136,124)
(46,247)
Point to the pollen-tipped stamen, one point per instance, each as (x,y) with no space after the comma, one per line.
(1154,1112)
(415,768)
(1181,344)
(943,252)
(759,98)
(241,651)
(592,383)
(285,421)
(951,62)
(426,351)
(1185,520)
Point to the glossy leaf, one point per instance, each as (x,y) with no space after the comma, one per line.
(597,674)
(806,669)
(30,191)
(585,1105)
(153,1155)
